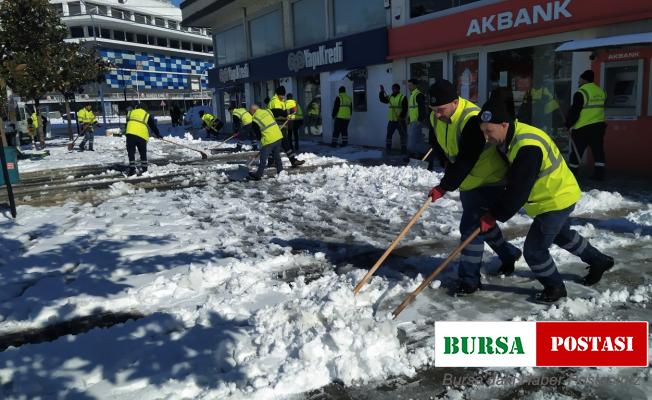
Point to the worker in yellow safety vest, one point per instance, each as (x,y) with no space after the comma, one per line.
(539,181)
(278,107)
(342,111)
(587,121)
(210,123)
(242,119)
(417,118)
(396,114)
(87,120)
(271,138)
(478,171)
(139,123)
(295,115)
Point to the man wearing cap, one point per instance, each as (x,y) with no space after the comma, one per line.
(538,180)
(477,170)
(586,119)
(278,108)
(396,113)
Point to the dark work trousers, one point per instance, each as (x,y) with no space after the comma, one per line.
(136,142)
(273,150)
(247,132)
(294,127)
(589,136)
(287,143)
(475,203)
(89,135)
(402,131)
(341,127)
(554,227)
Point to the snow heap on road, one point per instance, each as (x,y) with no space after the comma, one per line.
(244,291)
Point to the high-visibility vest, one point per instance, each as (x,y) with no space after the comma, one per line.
(243,115)
(137,123)
(277,104)
(35,123)
(395,106)
(269,129)
(538,95)
(413,107)
(289,106)
(344,112)
(86,117)
(593,109)
(555,188)
(490,167)
(208,120)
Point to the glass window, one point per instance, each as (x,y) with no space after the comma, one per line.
(160,41)
(185,45)
(266,34)
(96,9)
(209,49)
(159,22)
(423,7)
(119,13)
(173,24)
(141,19)
(105,33)
(308,22)
(119,35)
(129,36)
(623,83)
(141,38)
(174,44)
(538,79)
(356,16)
(195,30)
(77,31)
(427,73)
(230,45)
(74,8)
(197,47)
(465,76)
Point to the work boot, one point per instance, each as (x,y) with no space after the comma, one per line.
(334,145)
(598,174)
(599,267)
(90,148)
(253,176)
(132,172)
(551,294)
(81,147)
(296,162)
(465,289)
(271,162)
(507,268)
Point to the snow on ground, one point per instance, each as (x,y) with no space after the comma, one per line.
(246,289)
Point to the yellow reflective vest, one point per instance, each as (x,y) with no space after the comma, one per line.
(413,107)
(593,109)
(344,112)
(137,123)
(208,120)
(243,115)
(86,117)
(289,106)
(394,111)
(269,129)
(490,167)
(277,104)
(555,188)
(35,123)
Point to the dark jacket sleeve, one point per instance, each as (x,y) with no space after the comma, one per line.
(279,113)
(576,108)
(471,146)
(404,108)
(256,130)
(521,176)
(383,98)
(436,148)
(236,123)
(336,107)
(151,122)
(421,106)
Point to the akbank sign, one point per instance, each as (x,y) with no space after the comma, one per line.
(314,58)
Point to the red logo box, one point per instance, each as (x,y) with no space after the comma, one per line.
(592,344)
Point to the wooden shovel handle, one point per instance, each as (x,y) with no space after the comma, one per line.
(410,298)
(203,154)
(427,154)
(391,247)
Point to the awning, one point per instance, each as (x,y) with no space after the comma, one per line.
(621,40)
(338,75)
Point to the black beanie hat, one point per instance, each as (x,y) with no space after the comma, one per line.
(588,75)
(494,111)
(442,92)
(280,91)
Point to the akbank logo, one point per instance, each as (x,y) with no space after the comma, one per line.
(541,344)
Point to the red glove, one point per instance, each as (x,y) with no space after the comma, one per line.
(436,193)
(487,223)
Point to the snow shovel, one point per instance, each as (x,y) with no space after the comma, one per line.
(410,298)
(391,247)
(204,155)
(422,163)
(227,139)
(71,145)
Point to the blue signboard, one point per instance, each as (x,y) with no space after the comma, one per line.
(355,51)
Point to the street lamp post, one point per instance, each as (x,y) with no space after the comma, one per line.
(95,45)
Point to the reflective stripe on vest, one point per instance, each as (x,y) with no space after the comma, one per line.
(289,106)
(269,129)
(593,109)
(449,141)
(413,107)
(137,123)
(344,112)
(395,107)
(86,117)
(208,119)
(555,188)
(243,115)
